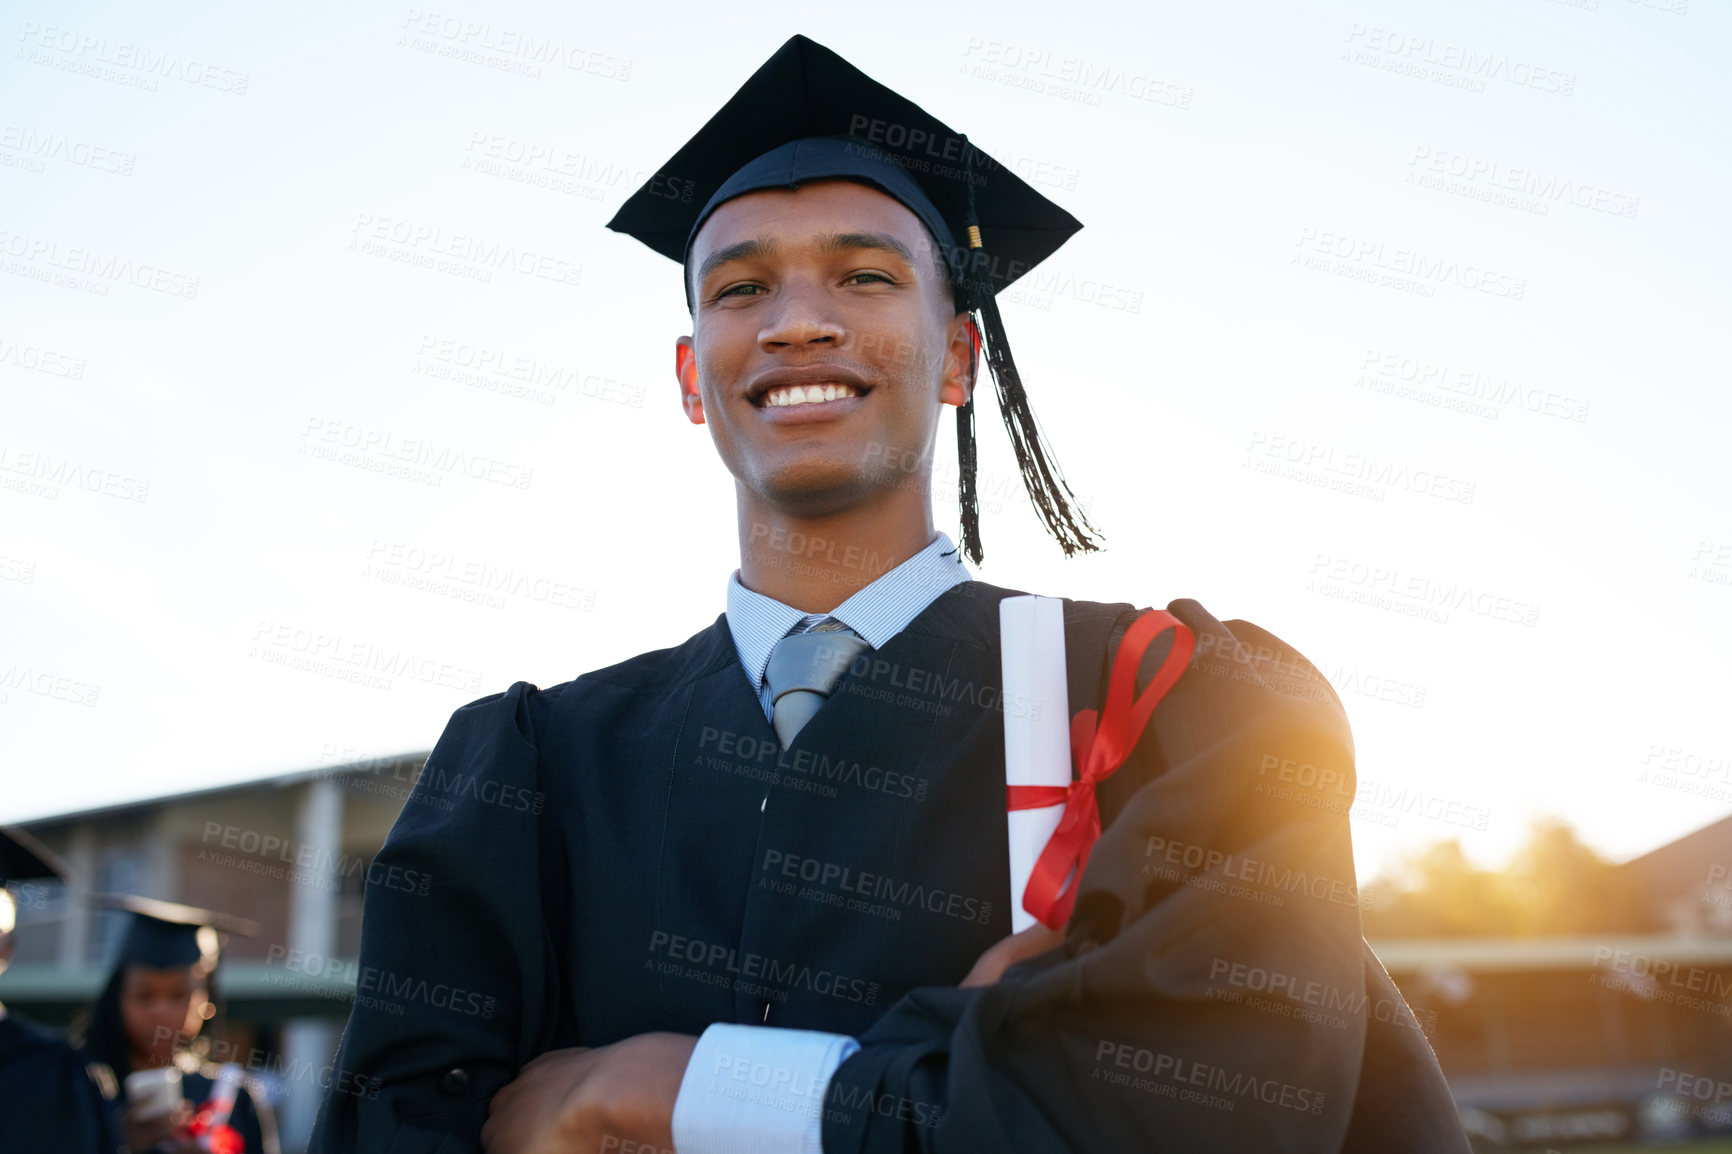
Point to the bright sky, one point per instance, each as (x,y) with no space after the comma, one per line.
(1463,261)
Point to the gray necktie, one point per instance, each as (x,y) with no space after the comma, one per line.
(803,668)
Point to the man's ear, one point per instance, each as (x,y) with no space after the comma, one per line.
(961,361)
(686,369)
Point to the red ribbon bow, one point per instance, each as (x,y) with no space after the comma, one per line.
(1099,748)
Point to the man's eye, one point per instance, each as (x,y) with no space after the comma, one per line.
(869,276)
(740,290)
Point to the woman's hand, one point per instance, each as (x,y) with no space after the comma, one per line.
(164,1131)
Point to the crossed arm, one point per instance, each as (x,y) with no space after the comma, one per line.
(621,1097)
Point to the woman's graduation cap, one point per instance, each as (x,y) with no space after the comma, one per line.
(165,935)
(808,115)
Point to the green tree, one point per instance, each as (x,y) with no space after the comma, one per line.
(1554,885)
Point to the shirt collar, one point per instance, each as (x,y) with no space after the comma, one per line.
(877,613)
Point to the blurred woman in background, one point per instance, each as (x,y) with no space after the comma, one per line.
(145,1028)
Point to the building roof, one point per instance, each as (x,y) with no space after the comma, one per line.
(1485,955)
(371,765)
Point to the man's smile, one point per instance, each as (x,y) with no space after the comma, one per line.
(797,395)
(783,395)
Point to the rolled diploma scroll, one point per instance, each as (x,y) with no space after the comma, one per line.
(1036,728)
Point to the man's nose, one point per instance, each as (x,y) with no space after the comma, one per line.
(801,314)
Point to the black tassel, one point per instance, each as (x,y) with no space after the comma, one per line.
(1041,475)
(968,489)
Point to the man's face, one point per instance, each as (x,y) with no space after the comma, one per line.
(824,343)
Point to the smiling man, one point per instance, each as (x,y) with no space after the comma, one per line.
(761,901)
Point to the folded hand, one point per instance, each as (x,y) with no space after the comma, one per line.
(581,1101)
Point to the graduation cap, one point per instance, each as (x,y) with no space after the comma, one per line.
(164,935)
(806,115)
(24,859)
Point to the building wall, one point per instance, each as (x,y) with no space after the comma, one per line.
(291,854)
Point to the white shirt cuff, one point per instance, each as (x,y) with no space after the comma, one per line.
(757,1090)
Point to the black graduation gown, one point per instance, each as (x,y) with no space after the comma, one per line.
(631,852)
(47,1100)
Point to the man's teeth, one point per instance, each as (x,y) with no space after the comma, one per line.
(783,395)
